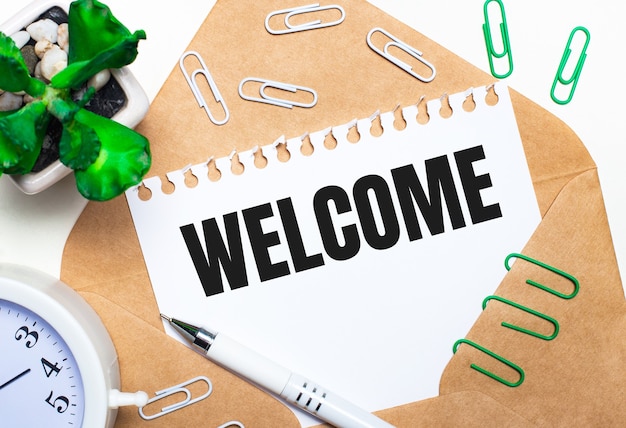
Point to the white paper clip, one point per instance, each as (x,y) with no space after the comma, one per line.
(299,10)
(187,401)
(191,80)
(265,98)
(230,424)
(395,42)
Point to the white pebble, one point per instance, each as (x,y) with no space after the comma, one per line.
(28,98)
(10,101)
(38,74)
(100,79)
(42,46)
(43,29)
(63,37)
(52,62)
(21,38)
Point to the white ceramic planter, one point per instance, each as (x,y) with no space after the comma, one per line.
(130,115)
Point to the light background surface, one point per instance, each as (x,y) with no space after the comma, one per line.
(34,229)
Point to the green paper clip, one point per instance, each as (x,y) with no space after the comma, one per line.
(554,322)
(573,80)
(506,44)
(550,268)
(515,367)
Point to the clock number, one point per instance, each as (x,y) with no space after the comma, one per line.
(49,368)
(60,403)
(31,337)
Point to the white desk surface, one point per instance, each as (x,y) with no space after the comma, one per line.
(34,229)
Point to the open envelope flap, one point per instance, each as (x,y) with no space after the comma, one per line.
(467,409)
(578,378)
(102,256)
(554,152)
(351,80)
(149,368)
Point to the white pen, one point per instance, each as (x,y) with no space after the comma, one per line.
(265,373)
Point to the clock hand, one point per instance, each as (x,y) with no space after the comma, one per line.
(14,379)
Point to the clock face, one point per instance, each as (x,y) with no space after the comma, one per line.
(40,383)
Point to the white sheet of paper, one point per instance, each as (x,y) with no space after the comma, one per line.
(377,327)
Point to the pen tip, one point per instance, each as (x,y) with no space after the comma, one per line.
(165,317)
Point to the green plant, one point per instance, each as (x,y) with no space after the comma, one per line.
(107,157)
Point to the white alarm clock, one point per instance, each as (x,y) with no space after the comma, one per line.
(58,365)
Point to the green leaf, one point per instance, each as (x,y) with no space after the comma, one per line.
(9,153)
(14,75)
(97,41)
(93,29)
(79,146)
(123,160)
(21,137)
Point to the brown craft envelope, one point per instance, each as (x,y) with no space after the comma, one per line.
(574,377)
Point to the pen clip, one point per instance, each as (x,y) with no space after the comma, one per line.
(180,388)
